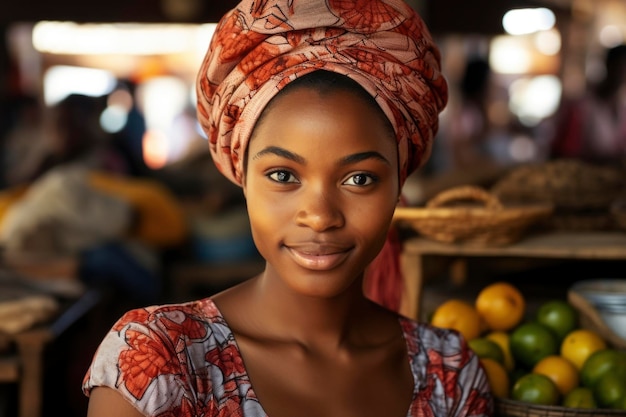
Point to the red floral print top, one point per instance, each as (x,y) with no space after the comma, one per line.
(183,360)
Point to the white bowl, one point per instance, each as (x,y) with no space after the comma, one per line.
(608,296)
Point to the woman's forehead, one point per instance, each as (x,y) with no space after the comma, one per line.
(337,119)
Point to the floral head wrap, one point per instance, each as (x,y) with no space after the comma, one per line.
(262,45)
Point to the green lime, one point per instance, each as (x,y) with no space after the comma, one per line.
(486,348)
(580,397)
(601,362)
(559,316)
(620,404)
(610,389)
(536,389)
(530,342)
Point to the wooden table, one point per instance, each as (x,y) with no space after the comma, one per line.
(25,365)
(557,245)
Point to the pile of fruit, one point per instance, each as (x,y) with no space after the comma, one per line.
(543,357)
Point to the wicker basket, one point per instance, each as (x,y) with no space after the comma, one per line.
(470,214)
(511,408)
(568,184)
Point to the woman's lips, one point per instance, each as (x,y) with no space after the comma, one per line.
(319,258)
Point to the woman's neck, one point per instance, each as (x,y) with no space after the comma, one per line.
(265,308)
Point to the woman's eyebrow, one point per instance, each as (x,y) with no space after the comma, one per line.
(362,156)
(284,153)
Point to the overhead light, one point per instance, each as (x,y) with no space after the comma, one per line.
(526,21)
(63,80)
(120,38)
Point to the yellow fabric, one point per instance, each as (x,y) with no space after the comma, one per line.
(160,219)
(10,196)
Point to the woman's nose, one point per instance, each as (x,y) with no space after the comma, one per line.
(320,211)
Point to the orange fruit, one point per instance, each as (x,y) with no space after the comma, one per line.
(559,316)
(601,362)
(580,397)
(560,370)
(497,377)
(579,344)
(531,342)
(536,389)
(501,305)
(458,315)
(502,339)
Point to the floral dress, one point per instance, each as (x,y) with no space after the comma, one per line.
(183,360)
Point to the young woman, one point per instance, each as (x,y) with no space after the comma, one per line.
(319,110)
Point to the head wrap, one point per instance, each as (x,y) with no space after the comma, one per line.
(262,45)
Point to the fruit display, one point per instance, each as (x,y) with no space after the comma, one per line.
(541,357)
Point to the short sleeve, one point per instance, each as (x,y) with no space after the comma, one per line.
(138,362)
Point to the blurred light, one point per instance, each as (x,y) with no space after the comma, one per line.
(120,38)
(534,99)
(611,36)
(113,119)
(510,55)
(121,98)
(163,99)
(522,149)
(61,81)
(548,42)
(525,21)
(155,148)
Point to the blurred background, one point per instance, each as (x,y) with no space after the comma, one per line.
(108,196)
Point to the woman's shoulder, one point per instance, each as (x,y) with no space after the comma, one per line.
(203,308)
(195,320)
(186,347)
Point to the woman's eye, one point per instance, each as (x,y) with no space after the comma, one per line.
(360,180)
(282,176)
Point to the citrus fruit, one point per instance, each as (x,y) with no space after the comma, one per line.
(620,404)
(502,339)
(599,363)
(458,315)
(560,370)
(610,390)
(580,397)
(501,305)
(559,316)
(531,342)
(485,348)
(579,344)
(497,377)
(536,389)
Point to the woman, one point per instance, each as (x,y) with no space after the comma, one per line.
(319,111)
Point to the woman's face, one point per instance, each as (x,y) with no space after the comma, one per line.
(321,187)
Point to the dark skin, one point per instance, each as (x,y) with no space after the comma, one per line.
(312,344)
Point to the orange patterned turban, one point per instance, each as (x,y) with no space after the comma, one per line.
(262,45)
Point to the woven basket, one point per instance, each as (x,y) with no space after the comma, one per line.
(470,214)
(569,184)
(511,408)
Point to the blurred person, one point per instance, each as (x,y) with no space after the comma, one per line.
(70,133)
(593,127)
(466,127)
(23,147)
